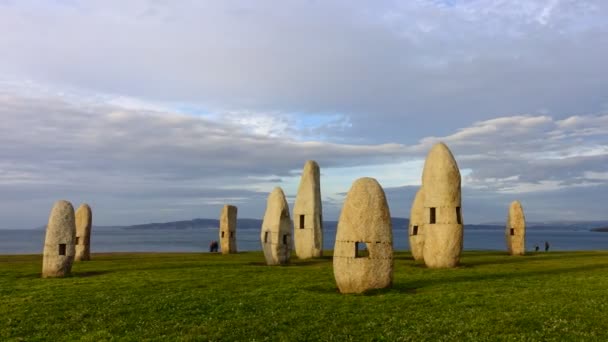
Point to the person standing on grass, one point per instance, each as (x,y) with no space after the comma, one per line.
(536,248)
(546,246)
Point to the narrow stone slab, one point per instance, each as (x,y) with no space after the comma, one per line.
(363,253)
(515,232)
(59,247)
(443,227)
(416,227)
(308,215)
(84,221)
(276,229)
(228,229)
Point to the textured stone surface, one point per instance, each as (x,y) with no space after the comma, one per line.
(515,232)
(441,184)
(307,214)
(84,220)
(228,229)
(59,248)
(416,228)
(365,220)
(276,229)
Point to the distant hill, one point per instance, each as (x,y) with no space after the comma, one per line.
(602,229)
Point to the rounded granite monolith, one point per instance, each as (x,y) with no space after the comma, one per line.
(276,229)
(443,227)
(363,252)
(515,232)
(59,247)
(84,220)
(416,227)
(307,214)
(228,229)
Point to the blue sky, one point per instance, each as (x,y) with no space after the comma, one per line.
(163,110)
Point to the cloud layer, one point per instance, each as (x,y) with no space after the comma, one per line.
(146,165)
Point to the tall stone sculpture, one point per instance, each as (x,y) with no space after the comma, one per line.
(276,229)
(84,220)
(59,248)
(515,232)
(307,214)
(416,228)
(363,253)
(228,229)
(443,227)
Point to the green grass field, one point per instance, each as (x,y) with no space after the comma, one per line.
(492,296)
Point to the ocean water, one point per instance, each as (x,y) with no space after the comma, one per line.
(197,240)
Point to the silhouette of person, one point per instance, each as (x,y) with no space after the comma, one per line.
(213,246)
(546,246)
(536,248)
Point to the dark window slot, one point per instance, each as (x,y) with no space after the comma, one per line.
(302,221)
(361,250)
(433,219)
(512,231)
(458,215)
(62,249)
(415,230)
(265,237)
(284,239)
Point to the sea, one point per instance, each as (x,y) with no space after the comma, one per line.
(120,239)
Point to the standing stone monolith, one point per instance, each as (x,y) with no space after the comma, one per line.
(515,232)
(363,253)
(443,227)
(59,247)
(276,229)
(228,229)
(307,214)
(416,228)
(84,220)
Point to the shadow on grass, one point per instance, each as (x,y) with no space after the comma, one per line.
(508,259)
(89,274)
(502,276)
(396,288)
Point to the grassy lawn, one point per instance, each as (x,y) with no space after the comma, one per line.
(546,296)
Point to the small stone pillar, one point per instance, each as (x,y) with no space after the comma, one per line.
(228,229)
(515,232)
(363,253)
(416,227)
(84,220)
(276,229)
(59,247)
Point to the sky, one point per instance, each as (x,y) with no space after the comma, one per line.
(155,111)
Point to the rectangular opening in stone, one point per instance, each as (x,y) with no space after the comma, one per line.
(265,237)
(62,249)
(284,239)
(361,250)
(302,221)
(512,231)
(415,230)
(223,235)
(77,240)
(458,216)
(432,216)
